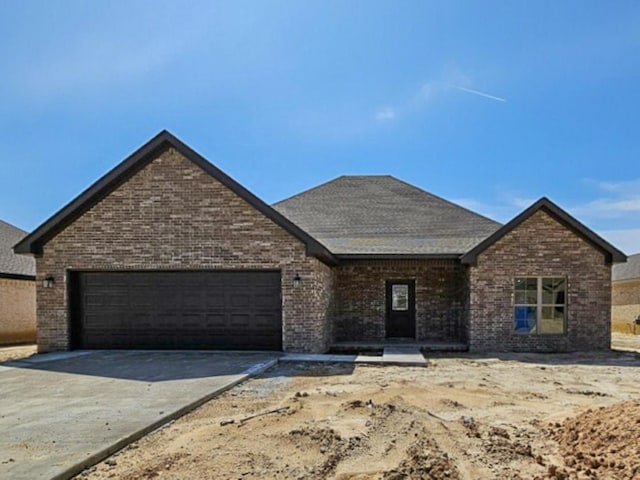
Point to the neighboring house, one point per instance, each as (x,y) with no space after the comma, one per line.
(167,251)
(17,290)
(626,295)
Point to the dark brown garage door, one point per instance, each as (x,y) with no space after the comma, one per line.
(181,310)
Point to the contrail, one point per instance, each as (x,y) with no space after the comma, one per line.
(482,94)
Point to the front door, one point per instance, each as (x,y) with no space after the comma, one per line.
(401,308)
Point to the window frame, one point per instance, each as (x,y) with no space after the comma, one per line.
(539,305)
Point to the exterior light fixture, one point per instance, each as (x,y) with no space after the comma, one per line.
(48,281)
(297,281)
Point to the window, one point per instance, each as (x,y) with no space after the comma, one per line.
(540,305)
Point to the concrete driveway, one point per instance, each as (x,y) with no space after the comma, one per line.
(60,413)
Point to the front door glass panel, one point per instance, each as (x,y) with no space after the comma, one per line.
(400,298)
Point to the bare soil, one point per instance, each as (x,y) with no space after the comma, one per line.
(600,442)
(625,342)
(462,417)
(15,353)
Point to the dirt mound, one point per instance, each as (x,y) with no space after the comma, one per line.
(424,461)
(600,443)
(331,444)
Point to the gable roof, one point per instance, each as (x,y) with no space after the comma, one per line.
(383,216)
(12,265)
(627,271)
(127,168)
(613,255)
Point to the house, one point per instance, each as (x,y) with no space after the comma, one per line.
(17,290)
(625,297)
(167,251)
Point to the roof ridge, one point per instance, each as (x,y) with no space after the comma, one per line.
(310,189)
(13,226)
(369,175)
(449,202)
(324,184)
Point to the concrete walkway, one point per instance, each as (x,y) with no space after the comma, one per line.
(393,355)
(60,413)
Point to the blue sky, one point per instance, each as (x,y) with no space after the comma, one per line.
(489,104)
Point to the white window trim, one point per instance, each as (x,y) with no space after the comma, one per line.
(539,305)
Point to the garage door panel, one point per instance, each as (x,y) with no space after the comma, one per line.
(167,321)
(216,320)
(181,310)
(194,321)
(99,282)
(237,280)
(168,297)
(103,320)
(215,300)
(95,300)
(239,300)
(239,320)
(107,297)
(265,300)
(193,299)
(264,321)
(141,296)
(117,300)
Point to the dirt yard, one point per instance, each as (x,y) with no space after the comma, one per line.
(15,353)
(462,417)
(625,342)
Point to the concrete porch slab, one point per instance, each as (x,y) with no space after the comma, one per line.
(423,346)
(317,357)
(407,356)
(398,355)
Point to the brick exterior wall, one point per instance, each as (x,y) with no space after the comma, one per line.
(17,311)
(540,246)
(625,308)
(172,215)
(360,310)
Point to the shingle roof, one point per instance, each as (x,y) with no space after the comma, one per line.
(627,271)
(10,263)
(364,215)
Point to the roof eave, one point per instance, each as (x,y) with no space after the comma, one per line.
(17,276)
(397,256)
(32,243)
(612,254)
(322,254)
